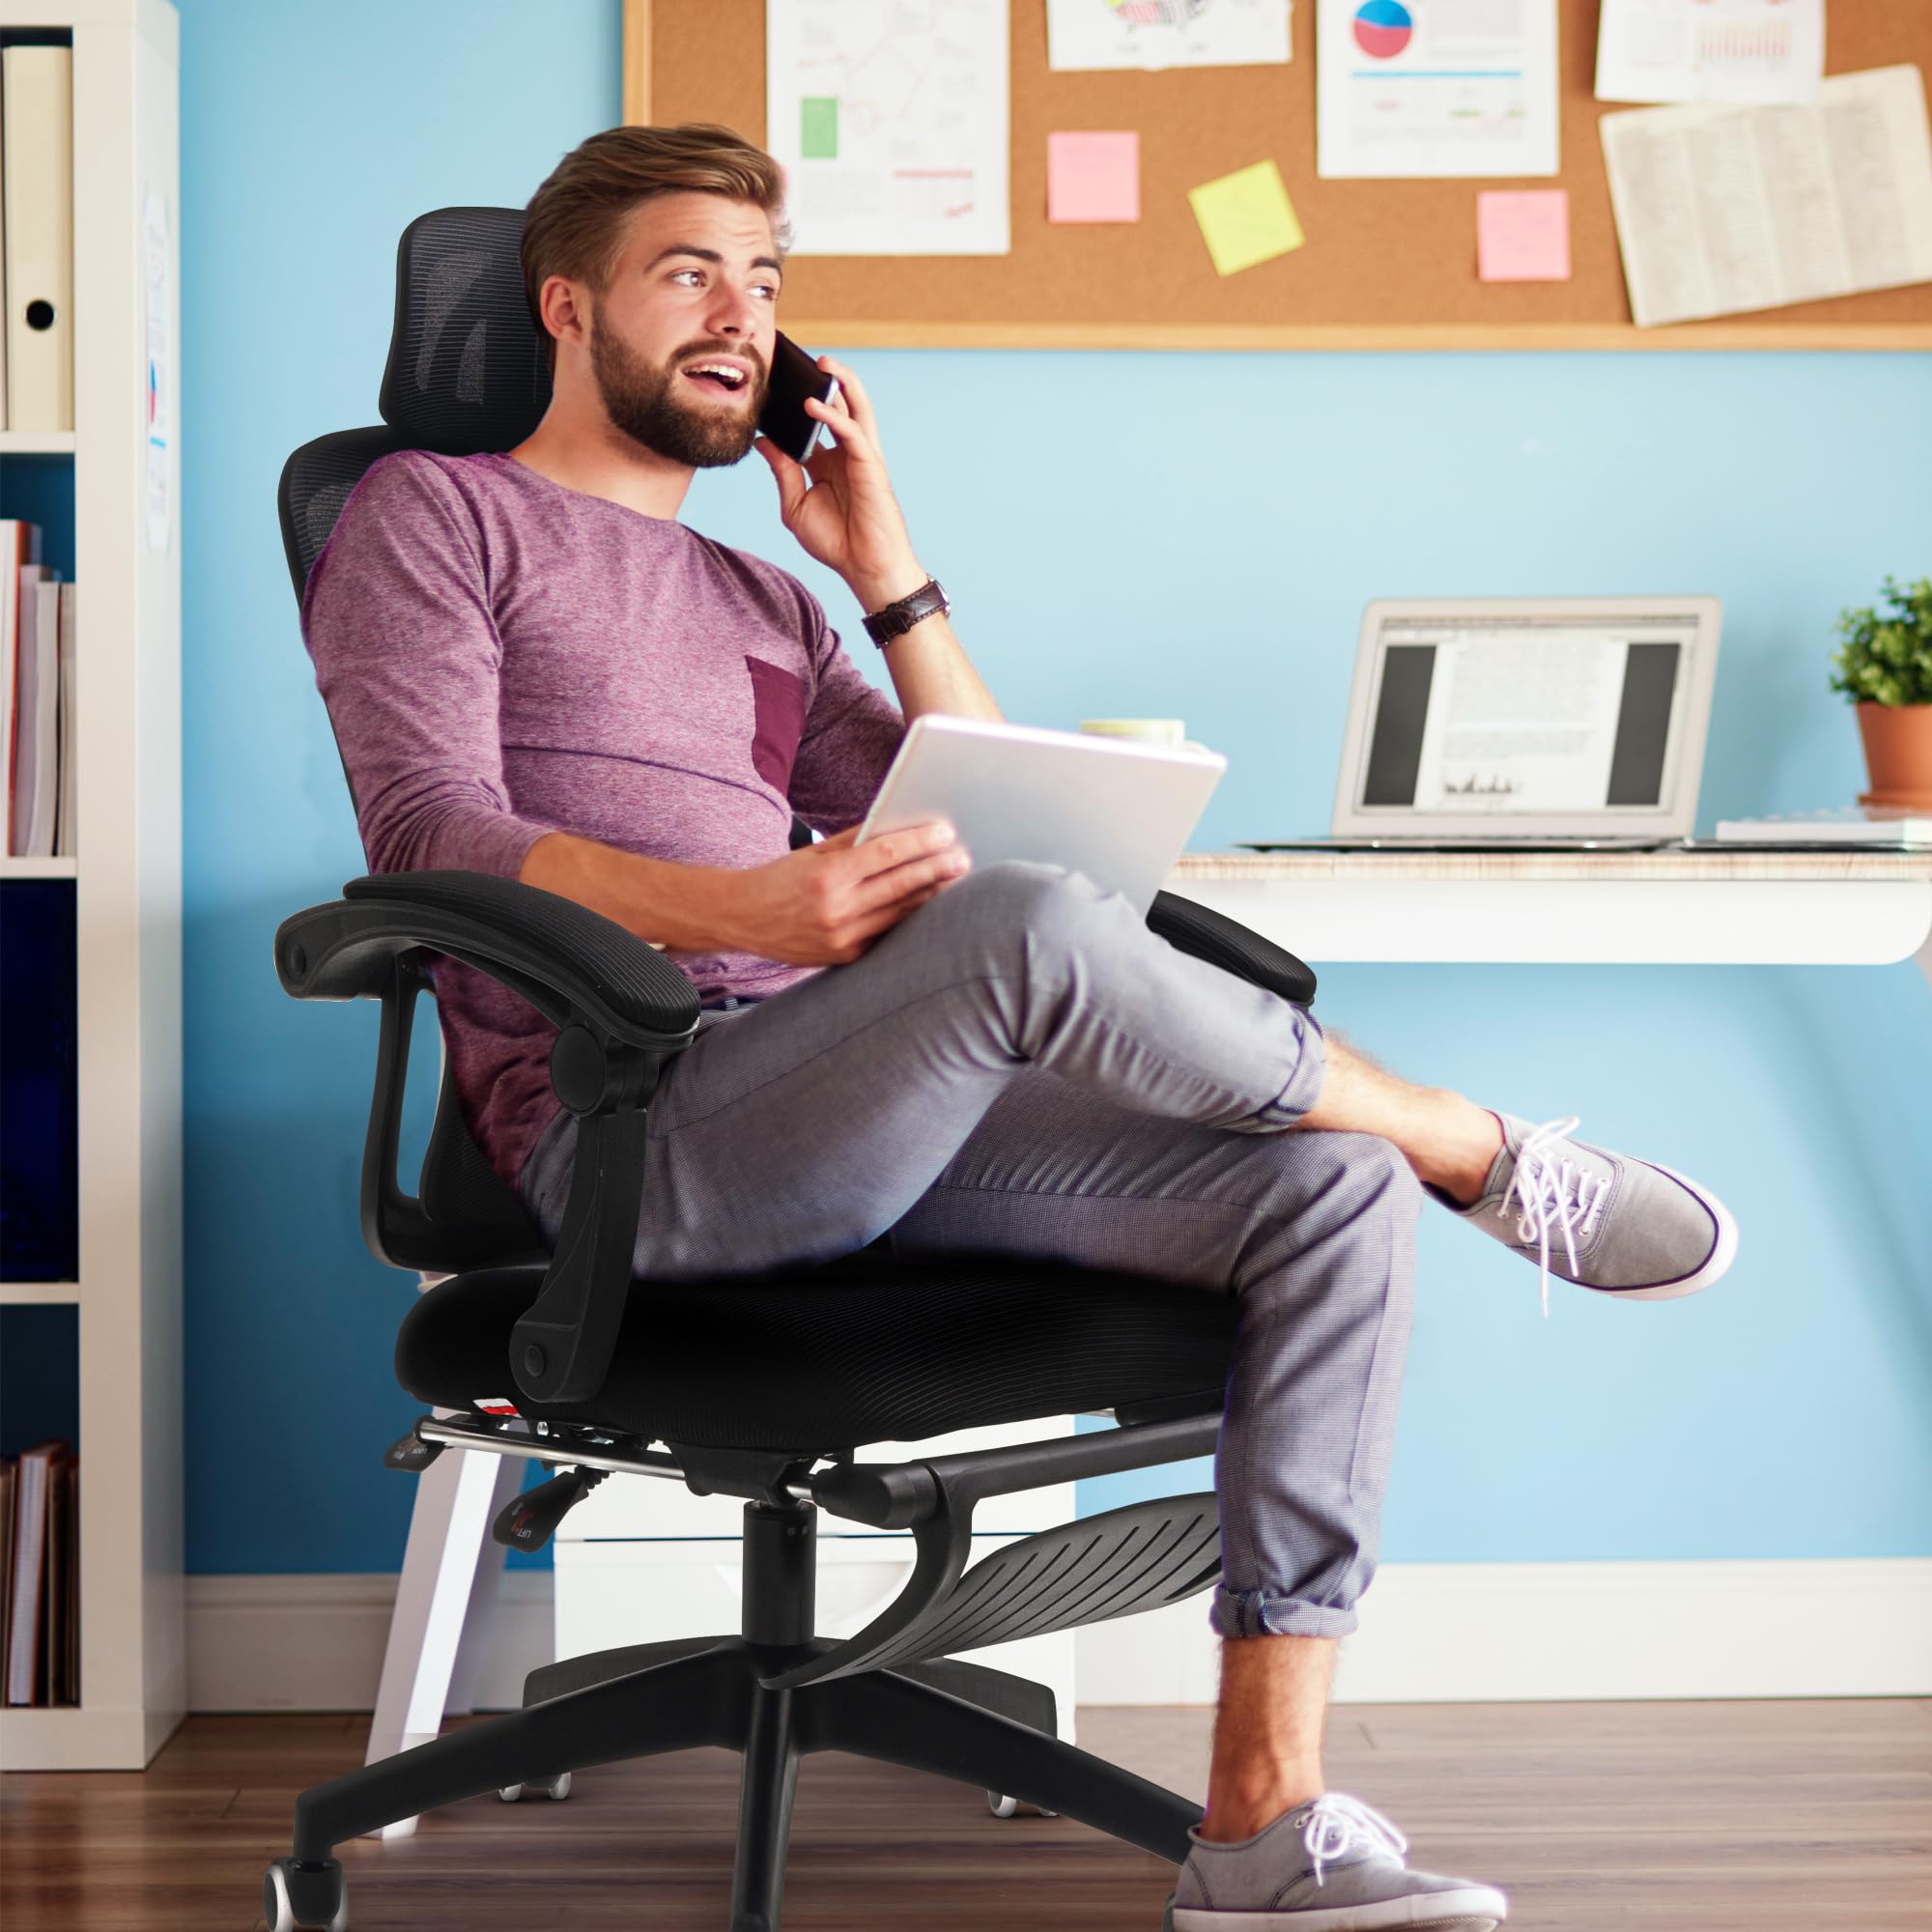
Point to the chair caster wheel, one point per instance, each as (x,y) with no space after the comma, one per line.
(1003,1806)
(315,1896)
(558,1787)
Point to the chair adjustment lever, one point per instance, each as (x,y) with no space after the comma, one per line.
(410,1453)
(527,1521)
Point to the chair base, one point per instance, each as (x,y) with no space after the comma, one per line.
(928,1716)
(984,1728)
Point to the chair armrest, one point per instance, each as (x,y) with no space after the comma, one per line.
(620,1008)
(566,960)
(1230,945)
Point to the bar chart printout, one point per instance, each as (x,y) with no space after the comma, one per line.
(1749,53)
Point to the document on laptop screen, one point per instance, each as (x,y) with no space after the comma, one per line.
(1533,718)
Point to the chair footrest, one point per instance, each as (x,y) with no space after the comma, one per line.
(1112,1565)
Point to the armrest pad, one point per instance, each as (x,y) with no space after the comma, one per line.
(566,960)
(1228,944)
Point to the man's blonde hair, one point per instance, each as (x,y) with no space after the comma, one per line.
(578,222)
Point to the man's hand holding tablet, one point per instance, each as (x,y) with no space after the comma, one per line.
(1117,810)
(823,904)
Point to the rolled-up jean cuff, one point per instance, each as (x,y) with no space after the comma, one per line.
(1264,1613)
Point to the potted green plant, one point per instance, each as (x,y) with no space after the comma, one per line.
(1884,664)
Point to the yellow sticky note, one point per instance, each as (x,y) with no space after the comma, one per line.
(1246,217)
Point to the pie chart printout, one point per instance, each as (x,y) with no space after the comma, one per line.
(1382,28)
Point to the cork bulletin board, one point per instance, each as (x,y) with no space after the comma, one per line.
(1386,264)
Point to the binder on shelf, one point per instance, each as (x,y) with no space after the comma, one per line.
(20,546)
(36,746)
(37,180)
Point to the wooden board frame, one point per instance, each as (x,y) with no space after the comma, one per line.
(846,300)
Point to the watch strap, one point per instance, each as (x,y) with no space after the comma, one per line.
(901,615)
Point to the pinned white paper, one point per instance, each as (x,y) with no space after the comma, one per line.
(1753,52)
(1724,210)
(1414,89)
(1084,36)
(891,124)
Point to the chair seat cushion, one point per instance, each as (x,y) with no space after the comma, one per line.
(872,1347)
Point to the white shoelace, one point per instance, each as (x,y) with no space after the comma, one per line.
(1547,1195)
(1337,1825)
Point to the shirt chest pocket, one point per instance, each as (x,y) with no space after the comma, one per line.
(778,713)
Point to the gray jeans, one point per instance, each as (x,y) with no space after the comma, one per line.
(1022,1065)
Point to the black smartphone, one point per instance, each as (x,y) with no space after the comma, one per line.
(795,375)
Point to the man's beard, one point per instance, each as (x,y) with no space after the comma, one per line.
(644,403)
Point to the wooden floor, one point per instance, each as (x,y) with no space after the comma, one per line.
(1705,1817)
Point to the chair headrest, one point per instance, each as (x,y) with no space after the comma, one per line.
(466,369)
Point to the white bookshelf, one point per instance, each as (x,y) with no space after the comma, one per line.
(38,1293)
(127,880)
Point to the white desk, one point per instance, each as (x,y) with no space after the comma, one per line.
(1603,908)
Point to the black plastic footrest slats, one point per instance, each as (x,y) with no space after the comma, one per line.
(1112,1565)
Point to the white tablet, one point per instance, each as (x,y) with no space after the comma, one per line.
(1116,810)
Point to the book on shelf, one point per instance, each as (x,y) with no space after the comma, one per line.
(10,1480)
(35,745)
(19,548)
(41,1648)
(65,801)
(57,1625)
(36,691)
(37,236)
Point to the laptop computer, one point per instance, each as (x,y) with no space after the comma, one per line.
(1524,724)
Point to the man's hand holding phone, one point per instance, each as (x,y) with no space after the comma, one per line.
(840,502)
(824,904)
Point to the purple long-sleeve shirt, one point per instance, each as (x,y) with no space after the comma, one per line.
(502,657)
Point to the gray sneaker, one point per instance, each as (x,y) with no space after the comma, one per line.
(1628,1228)
(1329,1866)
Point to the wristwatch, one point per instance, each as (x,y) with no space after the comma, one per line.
(883,626)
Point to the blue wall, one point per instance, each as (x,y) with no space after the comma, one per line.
(1125,533)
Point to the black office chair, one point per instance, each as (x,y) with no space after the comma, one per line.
(761,1386)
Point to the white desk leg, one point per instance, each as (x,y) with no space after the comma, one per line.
(486,1597)
(450,1553)
(1925,959)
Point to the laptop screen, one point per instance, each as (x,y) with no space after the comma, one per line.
(1497,716)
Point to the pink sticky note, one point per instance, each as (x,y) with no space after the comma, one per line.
(1524,234)
(1093,177)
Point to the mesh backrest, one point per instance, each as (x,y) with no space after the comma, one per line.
(466,368)
(316,482)
(465,373)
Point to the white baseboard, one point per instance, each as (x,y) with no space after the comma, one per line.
(315,1643)
(1431,1632)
